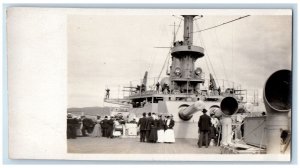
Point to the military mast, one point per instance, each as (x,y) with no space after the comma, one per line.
(184,77)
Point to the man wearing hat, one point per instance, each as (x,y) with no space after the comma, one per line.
(148,128)
(104,126)
(110,127)
(204,125)
(143,127)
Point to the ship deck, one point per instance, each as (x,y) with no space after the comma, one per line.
(133,146)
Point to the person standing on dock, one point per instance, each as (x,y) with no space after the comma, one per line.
(204,125)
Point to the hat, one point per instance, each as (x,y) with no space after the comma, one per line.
(204,110)
(69,115)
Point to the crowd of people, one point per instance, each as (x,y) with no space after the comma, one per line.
(154,128)
(109,127)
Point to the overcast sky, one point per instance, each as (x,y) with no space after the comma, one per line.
(110,51)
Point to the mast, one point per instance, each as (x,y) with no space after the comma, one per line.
(184,76)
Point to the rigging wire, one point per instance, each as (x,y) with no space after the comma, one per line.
(232,51)
(221,24)
(201,42)
(221,55)
(168,55)
(209,59)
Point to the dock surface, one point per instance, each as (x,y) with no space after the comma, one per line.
(134,146)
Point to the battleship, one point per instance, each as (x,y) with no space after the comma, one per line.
(180,93)
(185,92)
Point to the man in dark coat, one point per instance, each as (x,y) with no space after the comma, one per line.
(71,126)
(110,128)
(204,125)
(148,127)
(104,126)
(143,127)
(87,126)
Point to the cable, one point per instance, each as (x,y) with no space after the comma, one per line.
(221,24)
(209,59)
(221,55)
(168,57)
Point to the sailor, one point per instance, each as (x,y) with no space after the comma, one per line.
(160,129)
(107,93)
(157,87)
(143,88)
(138,88)
(143,127)
(204,125)
(169,136)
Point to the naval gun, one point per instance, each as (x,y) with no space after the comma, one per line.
(186,112)
(229,106)
(277,100)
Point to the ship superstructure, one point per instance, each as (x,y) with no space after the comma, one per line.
(181,88)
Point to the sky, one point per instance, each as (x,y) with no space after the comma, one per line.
(112,50)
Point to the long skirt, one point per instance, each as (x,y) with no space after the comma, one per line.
(169,136)
(97,131)
(160,135)
(153,135)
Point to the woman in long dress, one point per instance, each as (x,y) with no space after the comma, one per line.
(160,129)
(97,128)
(169,136)
(153,129)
